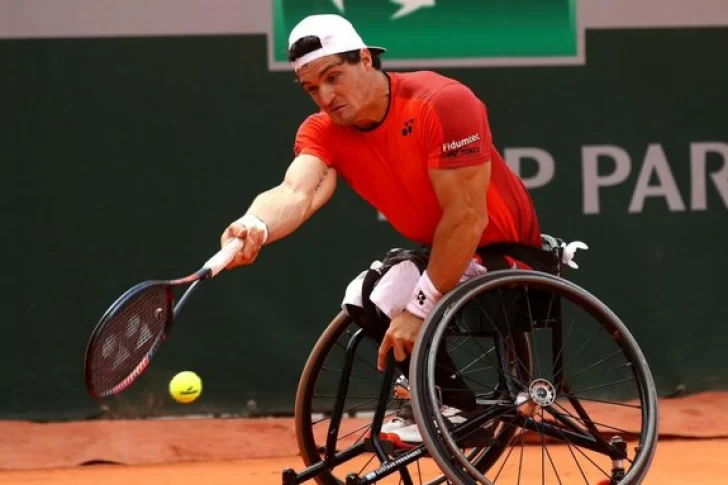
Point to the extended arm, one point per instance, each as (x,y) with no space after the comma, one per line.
(308,184)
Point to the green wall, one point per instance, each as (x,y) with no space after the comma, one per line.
(124,159)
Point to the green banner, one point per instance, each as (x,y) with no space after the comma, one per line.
(466,31)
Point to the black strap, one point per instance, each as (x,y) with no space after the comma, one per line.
(367,286)
(537,258)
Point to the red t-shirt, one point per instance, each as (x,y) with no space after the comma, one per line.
(432,122)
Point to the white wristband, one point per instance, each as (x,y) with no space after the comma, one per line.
(251,221)
(424,297)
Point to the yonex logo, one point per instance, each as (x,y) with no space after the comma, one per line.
(421,297)
(408,126)
(455,144)
(118,346)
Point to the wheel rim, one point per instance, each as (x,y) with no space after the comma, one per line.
(445,313)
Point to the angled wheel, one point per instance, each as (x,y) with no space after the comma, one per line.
(585,408)
(317,402)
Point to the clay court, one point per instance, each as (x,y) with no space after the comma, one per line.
(692,449)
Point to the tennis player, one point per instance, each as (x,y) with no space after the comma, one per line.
(417,146)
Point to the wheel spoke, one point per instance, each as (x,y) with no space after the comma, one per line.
(578,448)
(475,361)
(596,364)
(530,323)
(468,377)
(602,386)
(505,460)
(605,401)
(353,376)
(598,423)
(520,459)
(566,338)
(371,459)
(523,366)
(586,343)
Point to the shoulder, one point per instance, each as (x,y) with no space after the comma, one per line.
(455,131)
(430,86)
(315,123)
(319,127)
(314,136)
(438,98)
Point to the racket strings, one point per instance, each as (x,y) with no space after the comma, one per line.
(128,335)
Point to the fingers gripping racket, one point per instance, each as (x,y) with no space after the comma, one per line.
(134,327)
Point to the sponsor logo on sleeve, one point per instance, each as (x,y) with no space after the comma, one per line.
(461,147)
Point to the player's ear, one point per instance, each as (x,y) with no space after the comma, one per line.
(366,58)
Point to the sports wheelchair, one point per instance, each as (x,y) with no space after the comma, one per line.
(553,376)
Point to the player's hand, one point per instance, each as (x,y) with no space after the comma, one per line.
(400,336)
(253,235)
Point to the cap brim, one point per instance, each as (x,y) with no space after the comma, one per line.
(377,50)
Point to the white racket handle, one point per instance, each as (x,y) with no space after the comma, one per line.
(216,263)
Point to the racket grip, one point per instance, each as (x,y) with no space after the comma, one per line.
(216,263)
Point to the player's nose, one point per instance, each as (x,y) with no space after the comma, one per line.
(327,96)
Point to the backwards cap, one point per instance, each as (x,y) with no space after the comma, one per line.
(336,34)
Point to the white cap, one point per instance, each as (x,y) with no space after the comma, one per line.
(336,34)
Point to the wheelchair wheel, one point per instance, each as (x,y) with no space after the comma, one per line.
(586,408)
(318,405)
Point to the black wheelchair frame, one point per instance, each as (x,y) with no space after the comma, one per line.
(396,461)
(372,444)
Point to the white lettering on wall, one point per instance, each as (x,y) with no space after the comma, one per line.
(592,181)
(544,160)
(655,163)
(698,168)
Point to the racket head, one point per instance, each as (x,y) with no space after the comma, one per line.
(126,338)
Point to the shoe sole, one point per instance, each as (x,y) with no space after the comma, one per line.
(398,442)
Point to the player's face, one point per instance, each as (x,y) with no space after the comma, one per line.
(337,87)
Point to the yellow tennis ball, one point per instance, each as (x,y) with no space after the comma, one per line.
(185,387)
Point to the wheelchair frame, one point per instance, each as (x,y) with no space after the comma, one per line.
(391,463)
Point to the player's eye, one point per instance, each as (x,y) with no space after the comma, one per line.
(334,77)
(312,90)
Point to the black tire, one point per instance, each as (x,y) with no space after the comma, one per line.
(303,412)
(442,446)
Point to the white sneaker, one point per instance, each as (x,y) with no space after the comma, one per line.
(402,419)
(404,432)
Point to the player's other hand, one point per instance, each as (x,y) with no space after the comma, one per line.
(400,337)
(252,232)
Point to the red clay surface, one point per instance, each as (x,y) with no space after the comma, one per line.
(680,462)
(693,449)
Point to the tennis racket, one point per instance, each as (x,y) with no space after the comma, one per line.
(134,327)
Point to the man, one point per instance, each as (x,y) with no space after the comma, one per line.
(416,146)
